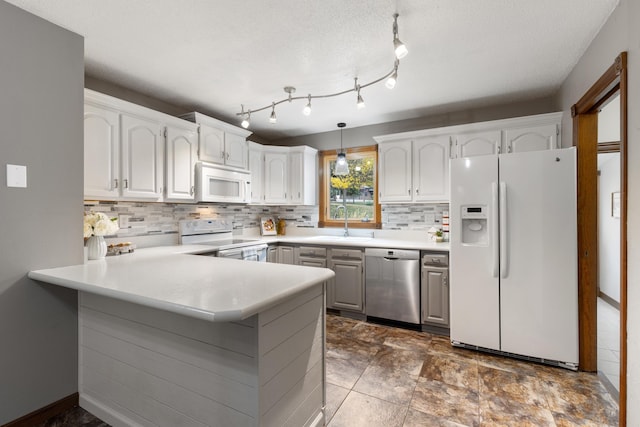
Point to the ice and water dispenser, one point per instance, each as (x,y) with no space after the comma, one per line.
(474,225)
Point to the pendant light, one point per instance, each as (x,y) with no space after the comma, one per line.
(342,166)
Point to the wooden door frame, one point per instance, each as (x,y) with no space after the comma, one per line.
(585,124)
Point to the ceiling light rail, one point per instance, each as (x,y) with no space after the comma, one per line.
(391,78)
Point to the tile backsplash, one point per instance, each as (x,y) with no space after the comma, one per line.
(140,219)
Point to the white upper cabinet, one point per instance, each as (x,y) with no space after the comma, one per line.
(394,184)
(532,138)
(531,133)
(256,167)
(142,171)
(101,152)
(283,175)
(470,144)
(182,153)
(414,166)
(220,142)
(236,150)
(275,175)
(414,170)
(211,148)
(302,175)
(431,169)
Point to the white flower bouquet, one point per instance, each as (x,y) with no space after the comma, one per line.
(99,224)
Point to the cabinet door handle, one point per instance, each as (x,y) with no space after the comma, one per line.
(298,194)
(409,191)
(228,156)
(126,183)
(115,183)
(192,189)
(417,191)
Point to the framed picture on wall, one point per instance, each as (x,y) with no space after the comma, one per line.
(615,204)
(267,226)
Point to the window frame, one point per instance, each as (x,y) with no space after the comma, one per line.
(325,220)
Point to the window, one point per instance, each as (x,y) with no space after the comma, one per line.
(355,194)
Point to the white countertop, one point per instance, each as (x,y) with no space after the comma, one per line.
(360,242)
(169,278)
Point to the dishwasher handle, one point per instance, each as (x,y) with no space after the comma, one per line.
(391,258)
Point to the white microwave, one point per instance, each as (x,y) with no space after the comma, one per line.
(215,184)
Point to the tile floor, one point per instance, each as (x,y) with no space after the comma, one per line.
(609,342)
(383,376)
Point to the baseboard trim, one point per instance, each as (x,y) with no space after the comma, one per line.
(41,415)
(606,298)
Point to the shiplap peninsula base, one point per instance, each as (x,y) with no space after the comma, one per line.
(180,340)
(144,366)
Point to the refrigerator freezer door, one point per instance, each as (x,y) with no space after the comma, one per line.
(539,293)
(475,313)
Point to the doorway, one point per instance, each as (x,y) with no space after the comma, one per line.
(608,306)
(585,137)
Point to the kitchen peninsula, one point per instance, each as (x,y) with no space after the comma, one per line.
(171,338)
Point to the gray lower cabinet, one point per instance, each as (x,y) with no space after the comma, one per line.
(281,254)
(272,253)
(435,290)
(346,290)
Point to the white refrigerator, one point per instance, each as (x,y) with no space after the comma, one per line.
(513,262)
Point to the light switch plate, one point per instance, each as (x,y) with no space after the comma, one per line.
(16,176)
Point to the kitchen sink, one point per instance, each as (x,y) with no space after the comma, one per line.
(340,239)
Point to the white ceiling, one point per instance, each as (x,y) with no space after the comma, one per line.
(212,56)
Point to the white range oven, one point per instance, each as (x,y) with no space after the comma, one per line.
(218,233)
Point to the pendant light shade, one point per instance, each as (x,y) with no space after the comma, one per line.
(342,166)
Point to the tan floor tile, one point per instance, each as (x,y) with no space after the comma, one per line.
(369,332)
(509,385)
(344,372)
(451,370)
(395,386)
(503,412)
(582,399)
(420,419)
(564,420)
(335,397)
(446,401)
(360,410)
(406,360)
(442,345)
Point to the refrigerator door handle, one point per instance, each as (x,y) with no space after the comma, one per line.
(494,228)
(504,250)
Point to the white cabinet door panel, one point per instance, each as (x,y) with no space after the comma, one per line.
(101,152)
(395,172)
(535,138)
(181,160)
(142,158)
(211,148)
(431,169)
(235,150)
(478,143)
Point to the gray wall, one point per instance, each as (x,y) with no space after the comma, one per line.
(620,33)
(41,225)
(458,114)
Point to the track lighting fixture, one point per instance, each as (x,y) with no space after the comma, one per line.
(307,108)
(246,117)
(399,48)
(273,118)
(359,100)
(391,78)
(342,166)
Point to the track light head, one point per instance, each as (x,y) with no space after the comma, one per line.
(307,108)
(273,118)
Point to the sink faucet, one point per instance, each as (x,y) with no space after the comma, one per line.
(344,211)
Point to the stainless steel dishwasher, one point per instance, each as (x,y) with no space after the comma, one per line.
(392,284)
